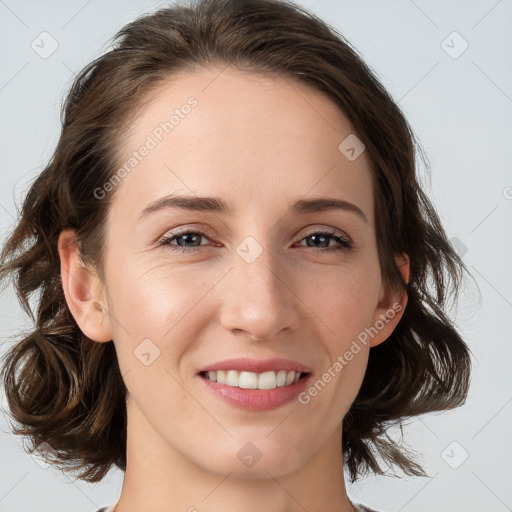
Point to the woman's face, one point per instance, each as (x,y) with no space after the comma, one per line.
(256,281)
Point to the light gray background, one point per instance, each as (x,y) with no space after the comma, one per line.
(460,108)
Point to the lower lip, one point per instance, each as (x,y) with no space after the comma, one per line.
(257,399)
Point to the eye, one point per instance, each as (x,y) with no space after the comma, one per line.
(190,241)
(184,237)
(323,237)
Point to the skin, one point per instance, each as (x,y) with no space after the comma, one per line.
(260,144)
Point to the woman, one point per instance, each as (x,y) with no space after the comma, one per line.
(246,370)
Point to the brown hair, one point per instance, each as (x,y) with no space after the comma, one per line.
(66,390)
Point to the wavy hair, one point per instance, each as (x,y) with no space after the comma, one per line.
(65,391)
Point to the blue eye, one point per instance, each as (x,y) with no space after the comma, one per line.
(192,237)
(187,236)
(322,236)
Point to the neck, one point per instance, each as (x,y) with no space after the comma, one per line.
(159,478)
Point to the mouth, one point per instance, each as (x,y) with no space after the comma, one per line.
(255,381)
(255,392)
(255,384)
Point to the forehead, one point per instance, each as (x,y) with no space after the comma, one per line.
(254,140)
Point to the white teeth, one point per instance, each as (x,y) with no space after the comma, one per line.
(267,380)
(251,380)
(247,380)
(231,378)
(281,378)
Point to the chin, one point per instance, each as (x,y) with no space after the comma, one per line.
(260,458)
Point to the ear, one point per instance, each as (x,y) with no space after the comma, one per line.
(84,292)
(391,306)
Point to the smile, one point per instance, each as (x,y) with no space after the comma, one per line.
(252,380)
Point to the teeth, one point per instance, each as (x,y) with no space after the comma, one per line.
(251,380)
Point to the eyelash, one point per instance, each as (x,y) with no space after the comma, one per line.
(345,244)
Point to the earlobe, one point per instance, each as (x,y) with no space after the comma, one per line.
(83,290)
(392,304)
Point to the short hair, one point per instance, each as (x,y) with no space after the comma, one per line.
(66,390)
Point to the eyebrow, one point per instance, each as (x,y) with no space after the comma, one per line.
(218,205)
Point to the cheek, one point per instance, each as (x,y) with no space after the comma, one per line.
(153,311)
(345,299)
(155,322)
(345,305)
(154,296)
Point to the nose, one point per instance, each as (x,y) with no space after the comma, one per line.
(259,299)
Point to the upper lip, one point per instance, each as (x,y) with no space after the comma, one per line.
(257,365)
